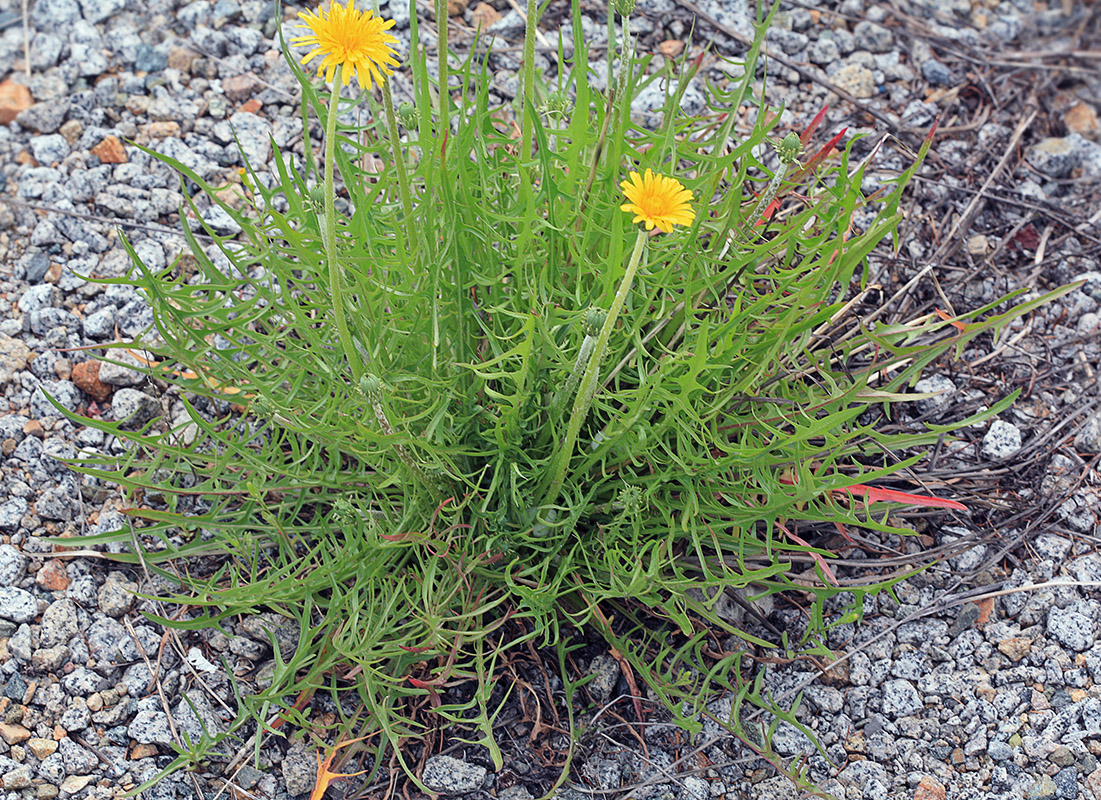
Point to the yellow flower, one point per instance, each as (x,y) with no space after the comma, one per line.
(658,201)
(355,39)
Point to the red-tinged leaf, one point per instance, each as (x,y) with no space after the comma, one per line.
(1027,238)
(766,215)
(932,131)
(818,559)
(325,776)
(873,494)
(813,126)
(954,323)
(825,151)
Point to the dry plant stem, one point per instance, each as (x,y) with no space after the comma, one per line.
(399,159)
(589,381)
(328,232)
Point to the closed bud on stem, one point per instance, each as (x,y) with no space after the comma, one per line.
(343,511)
(371,386)
(408,115)
(317,198)
(594,321)
(556,105)
(790,148)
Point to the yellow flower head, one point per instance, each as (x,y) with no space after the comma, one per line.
(658,201)
(355,39)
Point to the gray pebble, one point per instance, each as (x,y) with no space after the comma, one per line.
(44,295)
(900,698)
(220,221)
(53,768)
(116,596)
(150,725)
(999,751)
(77,717)
(606,672)
(149,58)
(17,605)
(78,761)
(81,682)
(47,116)
(134,409)
(1054,157)
(59,623)
(50,148)
(942,386)
(936,73)
(1001,441)
(13,565)
(873,38)
(299,770)
(261,627)
(450,776)
(15,688)
(64,392)
(99,10)
(1071,628)
(54,15)
(101,324)
(49,659)
(194,715)
(647,106)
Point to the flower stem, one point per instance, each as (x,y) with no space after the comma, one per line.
(527,96)
(441,48)
(328,231)
(399,159)
(587,390)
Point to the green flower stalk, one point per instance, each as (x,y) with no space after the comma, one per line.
(658,202)
(351,43)
(789,151)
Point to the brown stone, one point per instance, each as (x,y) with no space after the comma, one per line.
(161,130)
(71,129)
(110,151)
(53,273)
(671,48)
(86,378)
(986,609)
(1093,783)
(484,15)
(143,751)
(455,8)
(14,99)
(1081,118)
(74,783)
(181,58)
(240,88)
(41,748)
(252,106)
(7,447)
(13,734)
(33,427)
(64,368)
(1015,647)
(51,576)
(929,788)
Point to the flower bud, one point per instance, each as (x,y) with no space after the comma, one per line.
(371,386)
(556,105)
(408,115)
(317,197)
(624,7)
(594,321)
(790,148)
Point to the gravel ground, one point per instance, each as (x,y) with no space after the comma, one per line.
(980,679)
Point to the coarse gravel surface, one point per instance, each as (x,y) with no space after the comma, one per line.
(979,678)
